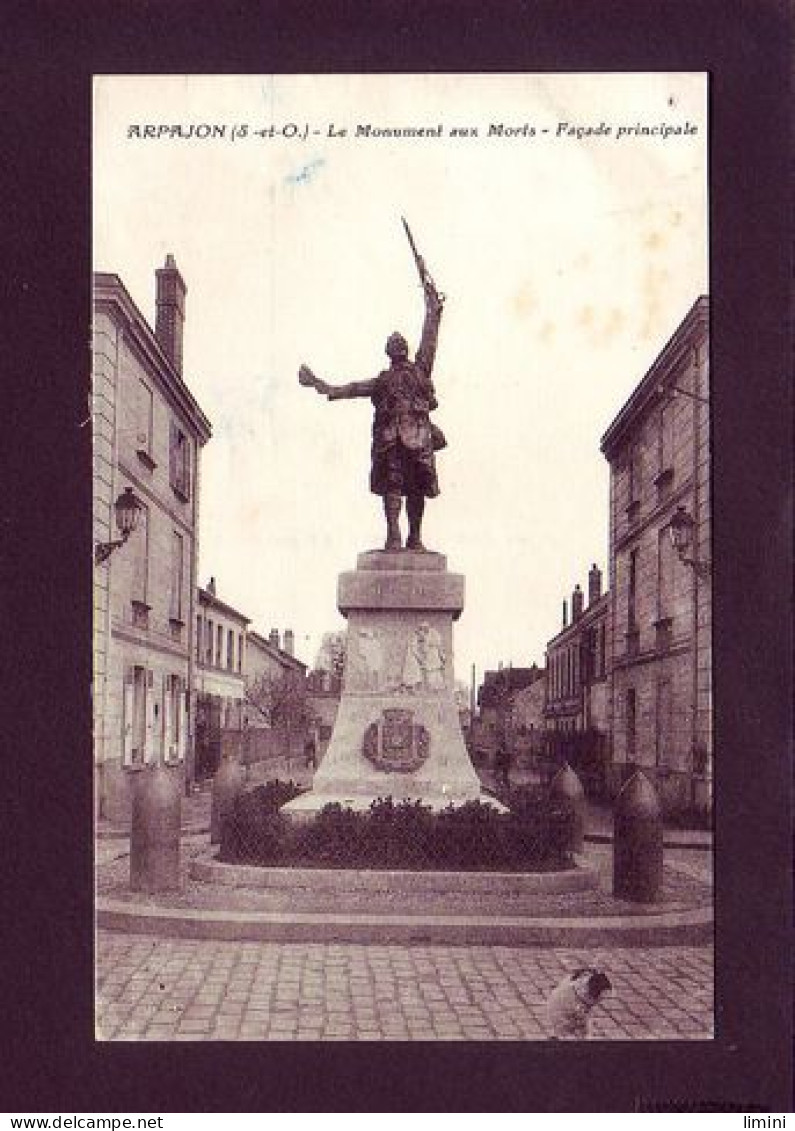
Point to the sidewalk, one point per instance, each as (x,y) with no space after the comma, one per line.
(599,815)
(599,830)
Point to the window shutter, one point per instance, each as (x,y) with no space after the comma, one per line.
(127,719)
(172,453)
(150,754)
(167,741)
(187,468)
(181,694)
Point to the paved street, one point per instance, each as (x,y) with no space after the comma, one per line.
(169,989)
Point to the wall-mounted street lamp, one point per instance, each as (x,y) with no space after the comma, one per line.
(128,511)
(682,529)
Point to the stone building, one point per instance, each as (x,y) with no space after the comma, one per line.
(496,721)
(528,713)
(660,699)
(270,658)
(576,716)
(221,650)
(148,432)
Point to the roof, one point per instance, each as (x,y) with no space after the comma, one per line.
(497,684)
(208,598)
(110,291)
(695,322)
(584,620)
(278,654)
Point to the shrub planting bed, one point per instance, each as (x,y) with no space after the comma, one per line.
(532,836)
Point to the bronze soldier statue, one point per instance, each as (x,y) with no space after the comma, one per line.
(404,438)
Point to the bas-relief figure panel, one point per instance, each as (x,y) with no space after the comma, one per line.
(398,656)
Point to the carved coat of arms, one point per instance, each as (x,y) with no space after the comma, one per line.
(395,743)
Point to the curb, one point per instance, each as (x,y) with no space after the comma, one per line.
(124,834)
(607,838)
(208,869)
(673,928)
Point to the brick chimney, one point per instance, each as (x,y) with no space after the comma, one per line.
(289,642)
(211,586)
(576,604)
(594,584)
(273,637)
(565,613)
(170,317)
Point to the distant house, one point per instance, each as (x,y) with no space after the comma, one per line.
(528,713)
(496,722)
(267,658)
(221,653)
(576,717)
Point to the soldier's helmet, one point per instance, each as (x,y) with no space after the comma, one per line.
(397,347)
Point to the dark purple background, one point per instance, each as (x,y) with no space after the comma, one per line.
(50,50)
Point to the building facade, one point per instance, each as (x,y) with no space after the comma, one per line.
(148,433)
(528,714)
(577,663)
(660,690)
(221,653)
(270,659)
(576,715)
(497,724)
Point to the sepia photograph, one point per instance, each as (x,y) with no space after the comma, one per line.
(402,550)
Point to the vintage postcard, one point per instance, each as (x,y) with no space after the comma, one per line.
(403,711)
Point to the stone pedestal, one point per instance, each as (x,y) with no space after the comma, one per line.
(397,732)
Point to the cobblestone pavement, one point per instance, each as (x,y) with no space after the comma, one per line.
(168,989)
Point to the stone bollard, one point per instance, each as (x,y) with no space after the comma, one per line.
(566,789)
(638,842)
(155,829)
(228,784)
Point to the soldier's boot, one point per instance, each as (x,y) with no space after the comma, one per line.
(392,505)
(415,507)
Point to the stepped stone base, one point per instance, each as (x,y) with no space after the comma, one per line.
(397,732)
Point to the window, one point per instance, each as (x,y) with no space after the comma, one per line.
(210,638)
(143,425)
(179,462)
(631,723)
(230,649)
(177,551)
(198,639)
(138,551)
(632,589)
(634,470)
(173,718)
(240,652)
(665,473)
(219,649)
(135,724)
(665,580)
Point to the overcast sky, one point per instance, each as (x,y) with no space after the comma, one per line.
(567,262)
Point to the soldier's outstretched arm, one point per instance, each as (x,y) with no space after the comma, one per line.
(335,392)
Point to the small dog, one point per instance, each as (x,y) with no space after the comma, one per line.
(570,1003)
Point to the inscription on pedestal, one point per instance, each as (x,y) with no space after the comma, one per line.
(395,743)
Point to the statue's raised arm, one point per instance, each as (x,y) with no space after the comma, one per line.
(434,302)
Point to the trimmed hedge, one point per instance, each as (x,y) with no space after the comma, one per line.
(533,836)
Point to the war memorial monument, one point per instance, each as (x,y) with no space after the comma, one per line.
(397,733)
